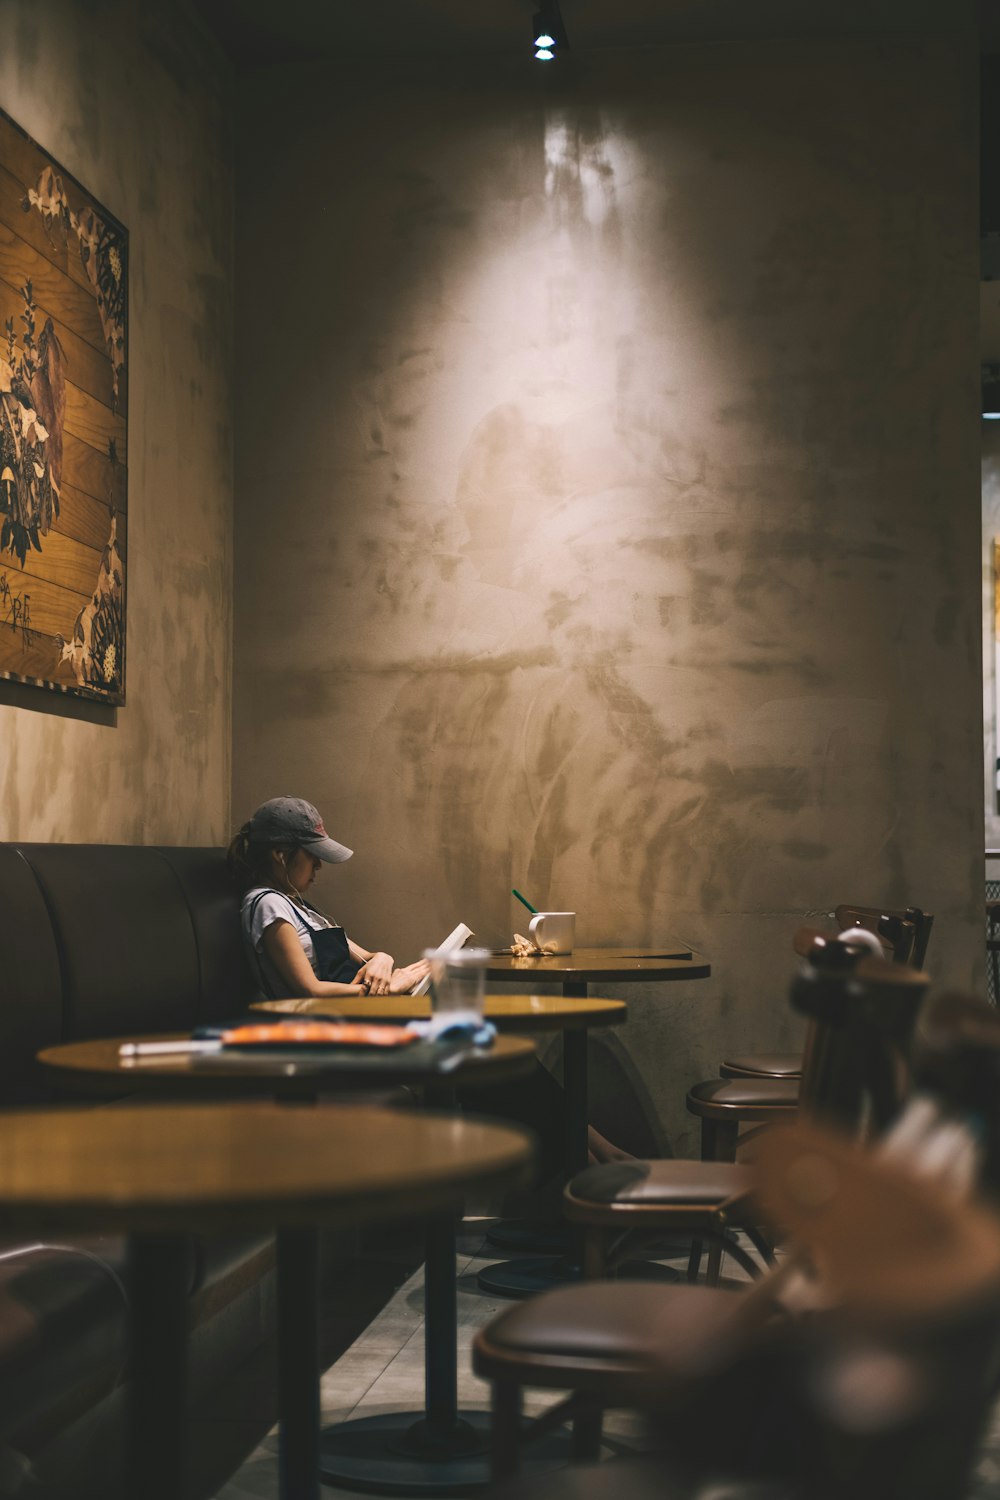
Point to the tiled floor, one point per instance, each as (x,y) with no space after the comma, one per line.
(384,1371)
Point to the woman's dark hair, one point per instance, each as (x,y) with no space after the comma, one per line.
(250,863)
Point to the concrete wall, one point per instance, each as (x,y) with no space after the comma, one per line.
(607,498)
(991,534)
(135,102)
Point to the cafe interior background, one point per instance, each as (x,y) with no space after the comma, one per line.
(566,479)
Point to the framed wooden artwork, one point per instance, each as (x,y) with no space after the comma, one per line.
(63,428)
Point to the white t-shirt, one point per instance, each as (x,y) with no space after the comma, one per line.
(260,909)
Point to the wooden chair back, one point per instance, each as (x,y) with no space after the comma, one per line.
(862,1012)
(907,929)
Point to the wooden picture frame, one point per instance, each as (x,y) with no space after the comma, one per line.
(63,428)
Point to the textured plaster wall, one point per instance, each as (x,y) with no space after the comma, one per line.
(991,534)
(135,102)
(607,503)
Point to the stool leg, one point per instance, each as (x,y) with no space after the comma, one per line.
(594,1259)
(587,1427)
(694,1260)
(718,1140)
(505,1430)
(714,1271)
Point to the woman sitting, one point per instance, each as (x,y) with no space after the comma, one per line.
(295,950)
(298,953)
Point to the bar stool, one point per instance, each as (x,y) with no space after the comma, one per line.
(745,1096)
(751,1406)
(710,1199)
(605,1341)
(885,923)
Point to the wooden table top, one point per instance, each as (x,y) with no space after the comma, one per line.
(507,1012)
(235,1166)
(607,965)
(97,1067)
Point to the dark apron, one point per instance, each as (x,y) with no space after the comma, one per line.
(333,956)
(334,963)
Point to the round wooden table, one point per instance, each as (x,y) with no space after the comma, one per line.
(156,1172)
(431,1451)
(97,1067)
(586,966)
(572,1015)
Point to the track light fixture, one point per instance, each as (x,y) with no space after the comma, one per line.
(548,34)
(990,389)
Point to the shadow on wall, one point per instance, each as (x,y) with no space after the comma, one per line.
(620,1104)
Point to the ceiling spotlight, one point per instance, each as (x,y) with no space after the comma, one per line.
(548,34)
(990,390)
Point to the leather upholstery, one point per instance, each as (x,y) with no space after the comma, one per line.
(745,1093)
(100,939)
(124,935)
(642,1478)
(225,984)
(644,1324)
(765,1065)
(63,1330)
(663,1182)
(30,979)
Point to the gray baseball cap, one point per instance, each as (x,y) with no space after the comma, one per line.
(289,820)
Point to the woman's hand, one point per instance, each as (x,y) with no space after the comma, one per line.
(403,980)
(376,974)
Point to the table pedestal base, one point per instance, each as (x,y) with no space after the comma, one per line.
(398,1453)
(530,1274)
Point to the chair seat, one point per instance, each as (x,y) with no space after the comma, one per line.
(669,1183)
(636,1330)
(643,1478)
(745,1098)
(763,1065)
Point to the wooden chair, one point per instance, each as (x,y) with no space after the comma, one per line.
(752,1408)
(846,1077)
(724,1105)
(889,926)
(602,1340)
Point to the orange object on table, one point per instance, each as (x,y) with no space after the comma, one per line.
(319,1033)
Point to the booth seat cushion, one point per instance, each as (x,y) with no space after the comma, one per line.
(223,1265)
(124,936)
(669,1182)
(63,1330)
(225,983)
(30,979)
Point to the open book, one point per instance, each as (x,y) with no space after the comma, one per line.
(455,940)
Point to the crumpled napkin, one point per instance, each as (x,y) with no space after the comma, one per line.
(455,1026)
(523,947)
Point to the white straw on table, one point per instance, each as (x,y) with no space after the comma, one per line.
(162,1049)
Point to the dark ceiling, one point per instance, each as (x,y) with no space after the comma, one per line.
(256,32)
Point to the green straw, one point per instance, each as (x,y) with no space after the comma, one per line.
(532,909)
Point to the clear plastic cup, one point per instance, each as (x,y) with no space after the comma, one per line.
(458,979)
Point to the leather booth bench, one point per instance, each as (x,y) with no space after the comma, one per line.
(99,940)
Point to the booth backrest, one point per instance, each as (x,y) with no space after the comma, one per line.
(101,939)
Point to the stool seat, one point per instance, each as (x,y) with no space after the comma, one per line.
(643,1478)
(750,1098)
(633,1328)
(763,1065)
(659,1183)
